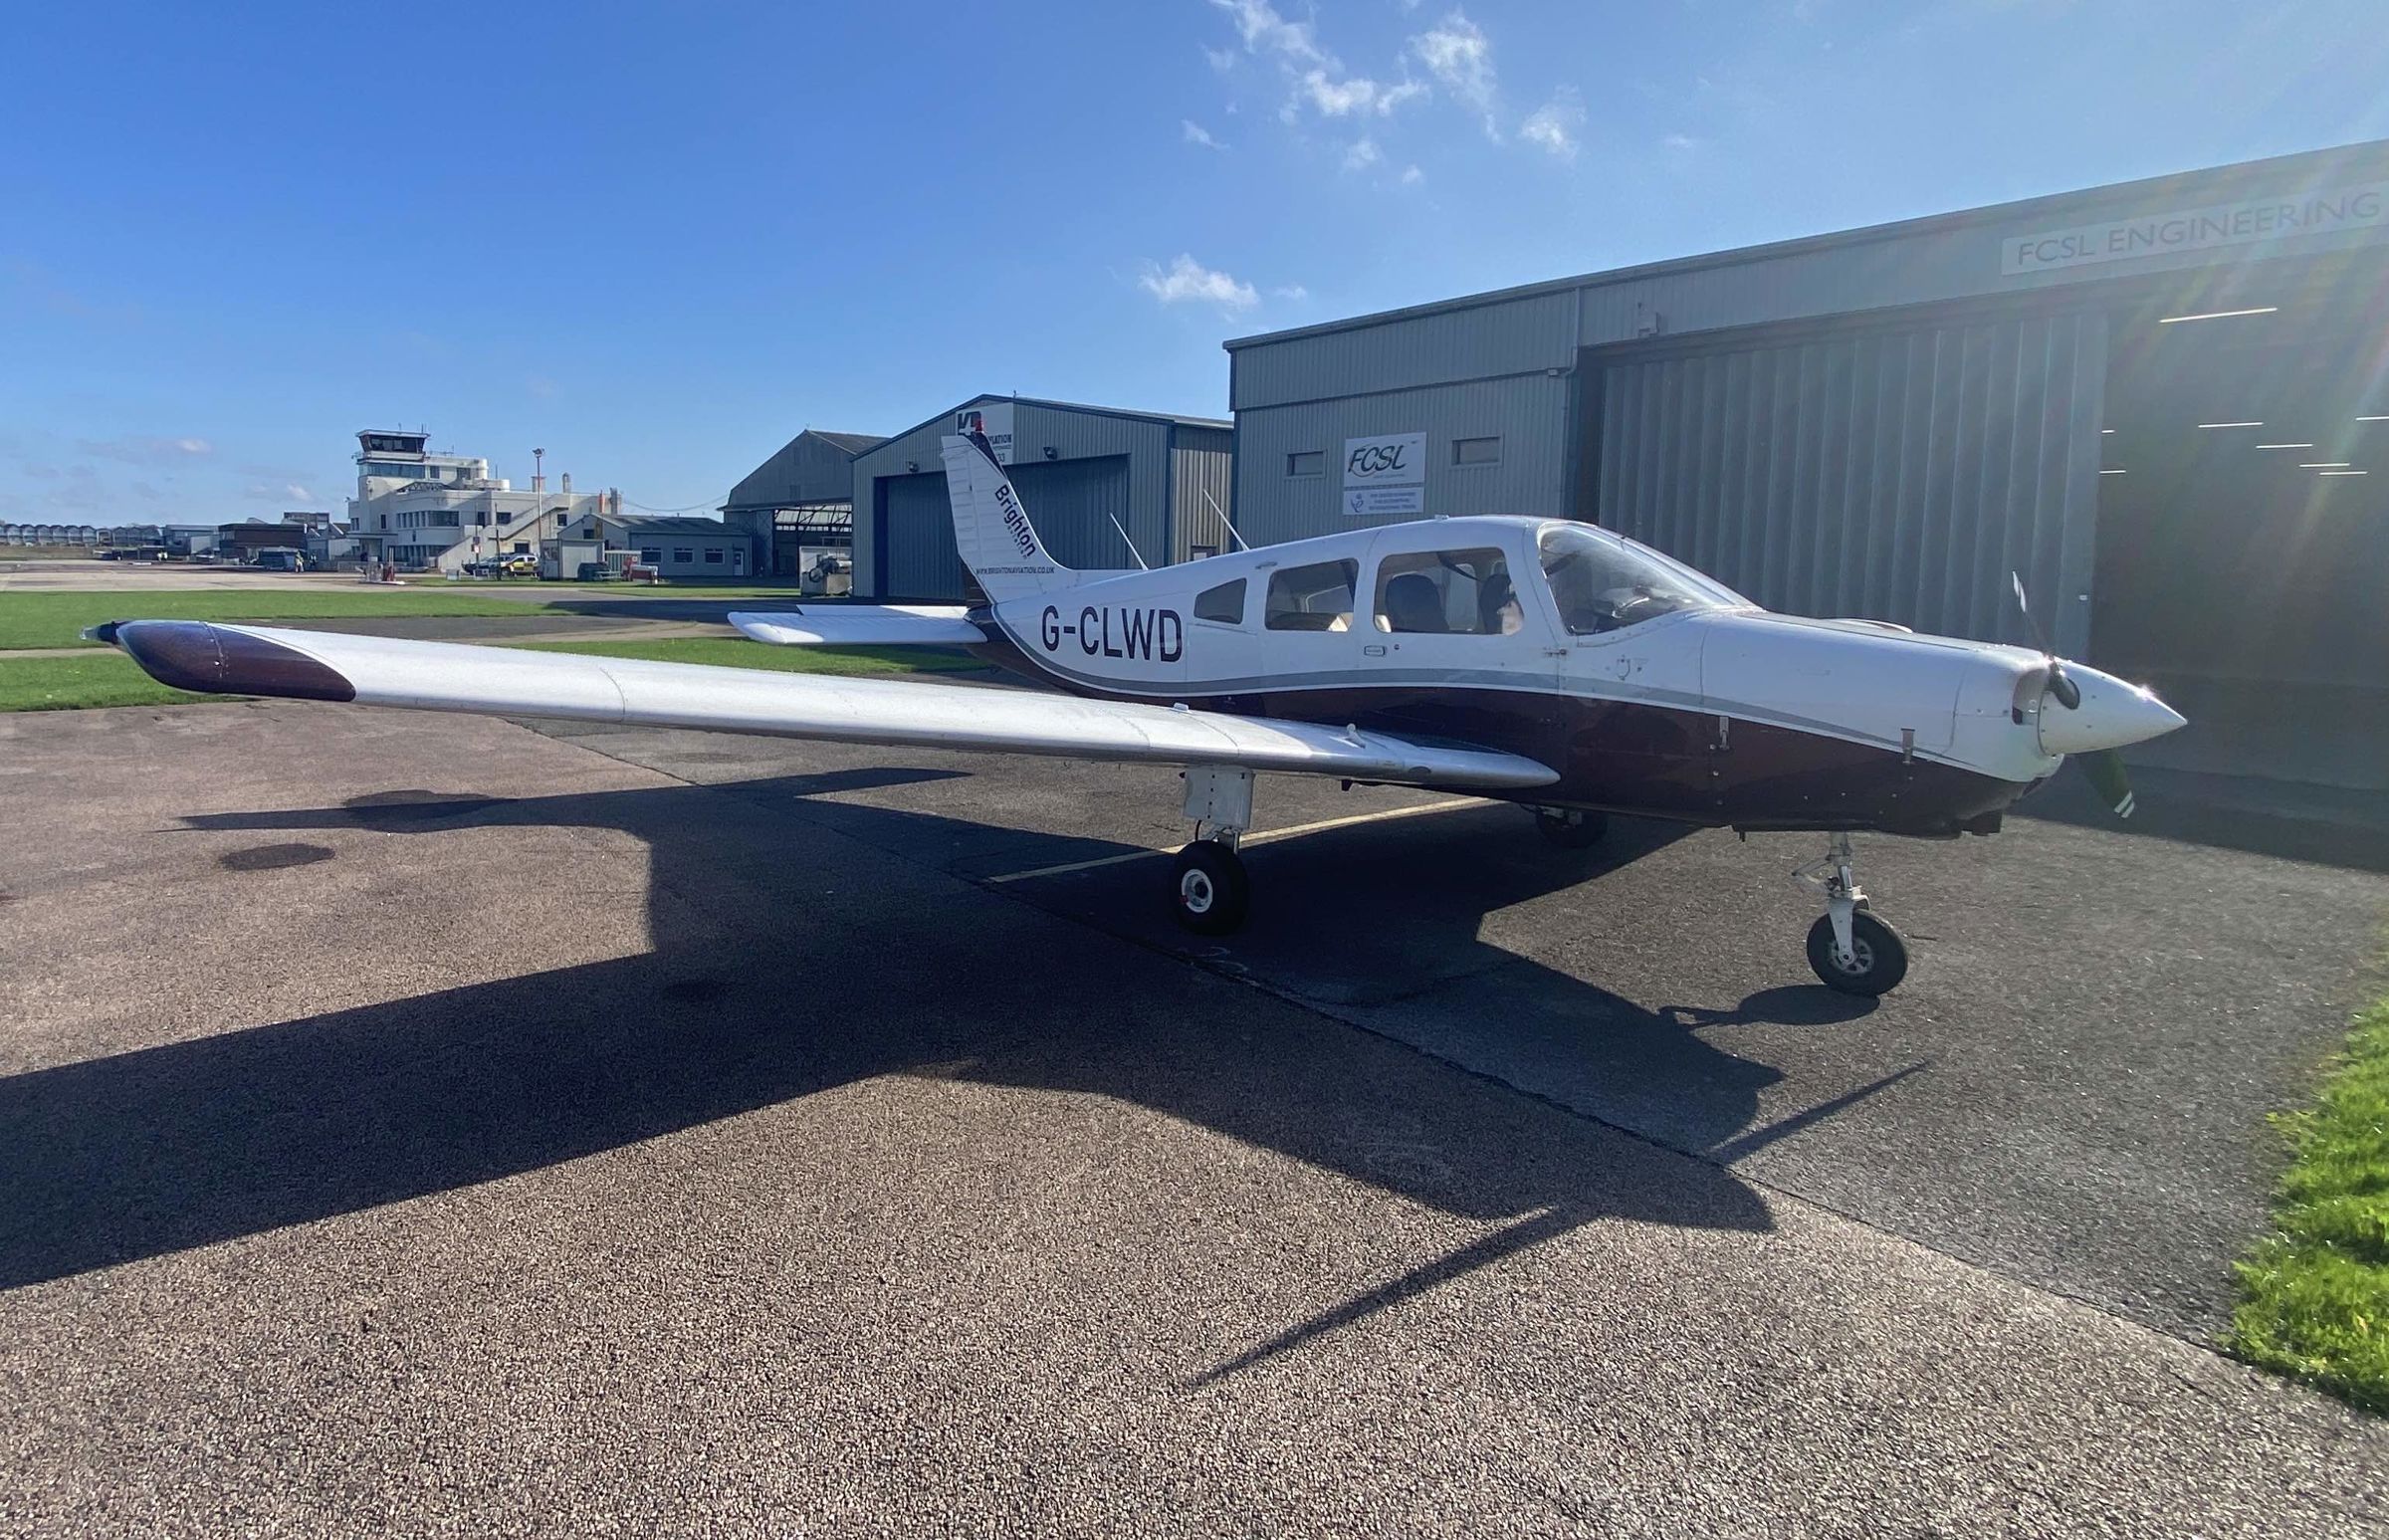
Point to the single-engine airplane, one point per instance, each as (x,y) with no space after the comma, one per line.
(1538,661)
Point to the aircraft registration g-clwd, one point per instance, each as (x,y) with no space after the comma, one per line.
(1537,661)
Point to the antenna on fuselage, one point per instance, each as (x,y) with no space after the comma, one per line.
(1222,515)
(1131,544)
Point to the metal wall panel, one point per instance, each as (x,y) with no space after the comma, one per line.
(1530,414)
(1897,474)
(1931,261)
(913,533)
(1071,502)
(1515,336)
(1203,470)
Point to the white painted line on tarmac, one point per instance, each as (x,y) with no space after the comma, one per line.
(1262,837)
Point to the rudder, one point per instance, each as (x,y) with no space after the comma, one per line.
(991,525)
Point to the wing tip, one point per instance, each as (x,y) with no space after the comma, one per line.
(218,660)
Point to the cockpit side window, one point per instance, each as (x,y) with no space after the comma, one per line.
(1463,592)
(1223,602)
(1603,582)
(1316,597)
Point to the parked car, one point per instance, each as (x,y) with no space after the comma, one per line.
(595,571)
(281,559)
(520,566)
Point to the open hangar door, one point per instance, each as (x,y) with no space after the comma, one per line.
(1071,502)
(2242,549)
(1894,468)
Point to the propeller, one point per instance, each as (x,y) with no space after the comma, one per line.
(2103,767)
(2067,693)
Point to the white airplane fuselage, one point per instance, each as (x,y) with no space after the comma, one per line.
(1713,710)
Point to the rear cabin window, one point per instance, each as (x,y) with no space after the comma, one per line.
(1316,597)
(1224,603)
(1463,592)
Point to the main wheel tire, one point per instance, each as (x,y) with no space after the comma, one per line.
(1572,829)
(1879,960)
(1210,893)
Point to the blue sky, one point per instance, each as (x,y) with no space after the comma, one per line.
(658,240)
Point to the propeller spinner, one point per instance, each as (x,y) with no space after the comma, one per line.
(2102,714)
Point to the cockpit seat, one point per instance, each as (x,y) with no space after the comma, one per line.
(1414,604)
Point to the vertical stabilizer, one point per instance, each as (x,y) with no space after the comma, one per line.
(990,527)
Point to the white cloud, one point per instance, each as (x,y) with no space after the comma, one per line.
(1680,141)
(1360,155)
(1187,281)
(1196,134)
(1266,32)
(1555,124)
(1223,59)
(1357,95)
(1411,176)
(1290,291)
(135,449)
(1457,52)
(278,491)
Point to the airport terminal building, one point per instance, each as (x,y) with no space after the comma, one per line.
(2163,403)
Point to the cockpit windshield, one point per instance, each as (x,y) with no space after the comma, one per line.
(1604,582)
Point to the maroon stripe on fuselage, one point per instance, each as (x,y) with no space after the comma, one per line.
(1632,757)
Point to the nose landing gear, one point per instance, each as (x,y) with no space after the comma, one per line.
(1849,948)
(1209,891)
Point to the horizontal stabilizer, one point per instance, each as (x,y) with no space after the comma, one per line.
(861,625)
(505,682)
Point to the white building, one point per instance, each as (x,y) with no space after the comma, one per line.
(423,511)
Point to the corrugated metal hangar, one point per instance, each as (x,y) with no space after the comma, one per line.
(1094,478)
(2163,403)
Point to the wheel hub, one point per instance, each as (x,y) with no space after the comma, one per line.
(1195,891)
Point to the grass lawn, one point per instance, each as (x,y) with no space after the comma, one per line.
(2315,1294)
(738,652)
(57,618)
(67,684)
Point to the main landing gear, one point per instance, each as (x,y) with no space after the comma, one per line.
(1850,950)
(1209,892)
(1570,828)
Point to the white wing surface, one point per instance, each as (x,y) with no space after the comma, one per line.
(499,681)
(861,625)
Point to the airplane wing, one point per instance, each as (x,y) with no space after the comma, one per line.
(861,625)
(499,681)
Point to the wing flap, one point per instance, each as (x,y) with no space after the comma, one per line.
(497,681)
(861,625)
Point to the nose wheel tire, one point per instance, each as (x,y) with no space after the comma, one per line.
(1877,961)
(1210,893)
(1570,828)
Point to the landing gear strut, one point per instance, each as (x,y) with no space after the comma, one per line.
(1849,948)
(1209,891)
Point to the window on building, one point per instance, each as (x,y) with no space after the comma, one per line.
(651,555)
(1316,597)
(1198,553)
(1475,451)
(1224,603)
(1463,592)
(683,554)
(522,549)
(1307,462)
(714,556)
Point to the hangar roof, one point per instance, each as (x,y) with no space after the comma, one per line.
(2279,173)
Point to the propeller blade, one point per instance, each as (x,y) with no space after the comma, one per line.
(2032,622)
(2104,766)
(2069,694)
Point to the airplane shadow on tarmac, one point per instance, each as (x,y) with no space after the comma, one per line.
(155,1150)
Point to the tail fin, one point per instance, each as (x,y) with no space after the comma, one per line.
(991,529)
